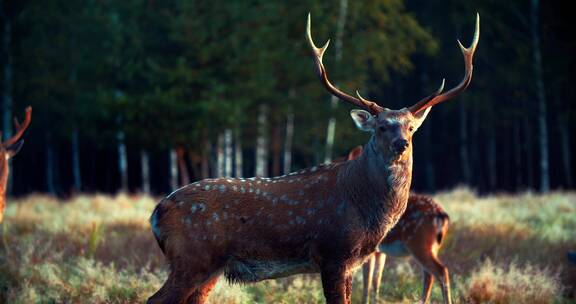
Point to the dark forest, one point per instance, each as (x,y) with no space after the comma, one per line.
(150,95)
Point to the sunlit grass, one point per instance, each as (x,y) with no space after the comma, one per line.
(99,249)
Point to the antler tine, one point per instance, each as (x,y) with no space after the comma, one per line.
(16,123)
(468,54)
(370,106)
(20,128)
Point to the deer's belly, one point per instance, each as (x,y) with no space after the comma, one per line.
(395,249)
(256,270)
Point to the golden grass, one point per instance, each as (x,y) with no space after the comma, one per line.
(99,249)
(490,283)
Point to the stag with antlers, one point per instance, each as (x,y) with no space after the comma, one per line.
(326,219)
(8,149)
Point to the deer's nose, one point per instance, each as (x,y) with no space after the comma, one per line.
(400,145)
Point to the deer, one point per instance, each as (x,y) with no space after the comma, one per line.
(419,233)
(327,219)
(8,149)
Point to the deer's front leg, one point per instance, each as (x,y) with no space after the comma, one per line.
(334,283)
(349,289)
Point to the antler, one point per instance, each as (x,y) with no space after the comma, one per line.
(468,53)
(369,106)
(20,128)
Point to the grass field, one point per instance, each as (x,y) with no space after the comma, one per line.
(99,249)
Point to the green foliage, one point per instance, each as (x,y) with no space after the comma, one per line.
(175,72)
(94,238)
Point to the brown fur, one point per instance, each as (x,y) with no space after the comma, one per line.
(420,230)
(8,149)
(327,219)
(323,219)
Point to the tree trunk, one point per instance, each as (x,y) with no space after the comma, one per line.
(262,142)
(276,149)
(331,130)
(464,158)
(517,156)
(220,161)
(122,161)
(76,173)
(528,150)
(288,142)
(228,153)
(50,188)
(182,169)
(541,93)
(491,153)
(475,170)
(564,127)
(145,171)
(7,85)
(173,170)
(237,154)
(205,166)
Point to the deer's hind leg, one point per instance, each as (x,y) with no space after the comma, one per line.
(182,288)
(427,281)
(200,294)
(192,276)
(425,250)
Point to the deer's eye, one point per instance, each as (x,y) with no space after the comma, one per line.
(382,129)
(411,129)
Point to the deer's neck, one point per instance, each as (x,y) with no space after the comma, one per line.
(378,187)
(3,184)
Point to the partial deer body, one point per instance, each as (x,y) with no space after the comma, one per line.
(8,149)
(419,233)
(325,219)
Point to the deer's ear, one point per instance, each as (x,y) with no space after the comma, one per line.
(420,117)
(363,120)
(14,149)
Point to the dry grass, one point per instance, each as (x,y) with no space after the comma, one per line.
(490,283)
(99,249)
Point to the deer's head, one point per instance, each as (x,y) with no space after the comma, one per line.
(8,149)
(393,129)
(12,146)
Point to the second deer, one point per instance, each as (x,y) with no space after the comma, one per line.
(419,233)
(8,149)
